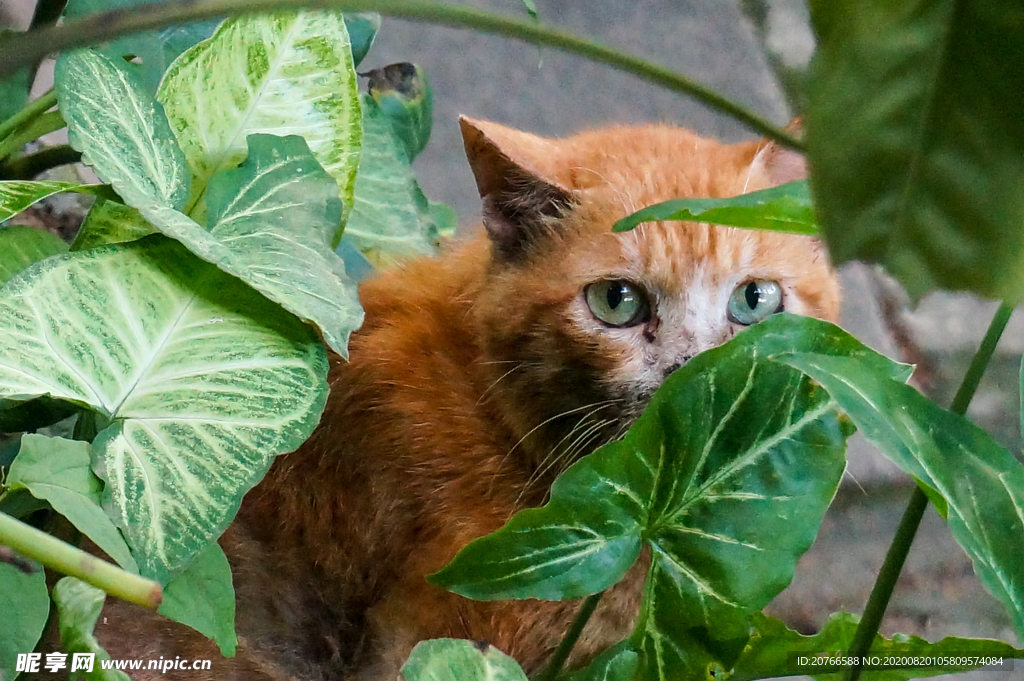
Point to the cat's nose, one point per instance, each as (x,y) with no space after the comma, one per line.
(680,363)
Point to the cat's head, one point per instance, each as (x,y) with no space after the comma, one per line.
(583,324)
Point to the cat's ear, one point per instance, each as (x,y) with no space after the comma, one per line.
(779,164)
(516,179)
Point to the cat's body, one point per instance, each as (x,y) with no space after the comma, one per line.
(476,379)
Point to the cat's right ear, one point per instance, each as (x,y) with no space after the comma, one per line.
(521,197)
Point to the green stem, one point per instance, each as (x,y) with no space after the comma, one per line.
(900,547)
(28,166)
(43,125)
(561,653)
(69,560)
(23,48)
(31,110)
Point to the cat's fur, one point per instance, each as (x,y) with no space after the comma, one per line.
(478,377)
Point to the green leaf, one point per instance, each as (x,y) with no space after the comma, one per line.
(203,598)
(283,74)
(725,476)
(151,51)
(980,483)
(786,208)
(79,606)
(17,195)
(25,604)
(120,129)
(276,214)
(582,542)
(58,471)
(202,380)
(531,9)
(110,222)
(391,219)
(448,659)
(774,651)
(404,98)
(915,143)
(21,245)
(362,28)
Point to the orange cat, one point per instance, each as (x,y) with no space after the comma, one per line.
(477,378)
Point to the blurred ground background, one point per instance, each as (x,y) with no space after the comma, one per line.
(555,94)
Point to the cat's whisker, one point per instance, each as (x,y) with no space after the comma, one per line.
(558,416)
(505,375)
(562,460)
(553,455)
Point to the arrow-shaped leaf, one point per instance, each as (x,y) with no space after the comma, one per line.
(204,383)
(279,74)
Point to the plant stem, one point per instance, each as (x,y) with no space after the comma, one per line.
(47,12)
(28,166)
(900,547)
(43,125)
(23,48)
(70,560)
(561,653)
(32,109)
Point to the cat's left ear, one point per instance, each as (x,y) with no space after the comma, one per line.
(516,173)
(779,164)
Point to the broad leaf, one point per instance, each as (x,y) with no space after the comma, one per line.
(959,465)
(58,471)
(775,650)
(149,52)
(110,222)
(79,605)
(362,28)
(120,129)
(270,225)
(404,97)
(21,245)
(786,208)
(281,74)
(203,598)
(726,477)
(25,604)
(17,195)
(448,659)
(582,542)
(202,380)
(915,143)
(392,219)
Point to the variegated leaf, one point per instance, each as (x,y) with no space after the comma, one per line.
(272,216)
(202,380)
(281,74)
(120,129)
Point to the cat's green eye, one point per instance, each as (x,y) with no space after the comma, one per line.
(618,303)
(755,301)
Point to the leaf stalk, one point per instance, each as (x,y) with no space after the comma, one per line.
(31,110)
(71,560)
(24,48)
(565,647)
(907,530)
(43,125)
